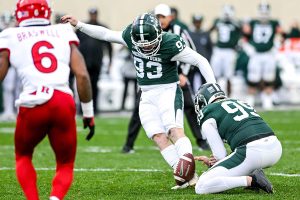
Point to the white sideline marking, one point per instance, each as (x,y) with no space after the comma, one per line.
(7,130)
(97,150)
(285,175)
(127,170)
(11,130)
(111,149)
(91,170)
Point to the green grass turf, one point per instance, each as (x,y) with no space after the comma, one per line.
(120,181)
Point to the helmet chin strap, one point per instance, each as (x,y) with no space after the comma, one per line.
(34,22)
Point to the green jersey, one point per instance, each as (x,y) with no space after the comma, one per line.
(229,33)
(157,69)
(236,121)
(262,34)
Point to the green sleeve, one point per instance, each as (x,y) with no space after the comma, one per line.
(173,44)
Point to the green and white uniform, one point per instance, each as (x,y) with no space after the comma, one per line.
(161,105)
(252,141)
(224,53)
(229,33)
(262,65)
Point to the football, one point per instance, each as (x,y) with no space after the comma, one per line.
(185,169)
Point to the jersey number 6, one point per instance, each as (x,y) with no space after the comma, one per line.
(39,57)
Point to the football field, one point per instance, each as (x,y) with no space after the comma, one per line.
(103,172)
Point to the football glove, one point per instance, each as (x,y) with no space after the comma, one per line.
(89,122)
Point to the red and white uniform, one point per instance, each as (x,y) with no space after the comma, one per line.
(41,57)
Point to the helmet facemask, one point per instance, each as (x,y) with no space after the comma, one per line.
(148,48)
(200,103)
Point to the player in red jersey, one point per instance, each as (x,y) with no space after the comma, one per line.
(43,56)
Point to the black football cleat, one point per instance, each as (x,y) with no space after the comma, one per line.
(259,180)
(127,150)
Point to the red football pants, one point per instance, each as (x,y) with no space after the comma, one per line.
(55,118)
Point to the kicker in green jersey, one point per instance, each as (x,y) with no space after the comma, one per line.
(157,69)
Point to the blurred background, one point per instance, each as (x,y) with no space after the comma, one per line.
(118,14)
(116,84)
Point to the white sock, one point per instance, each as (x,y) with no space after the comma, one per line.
(267,101)
(183,145)
(53,198)
(170,155)
(220,184)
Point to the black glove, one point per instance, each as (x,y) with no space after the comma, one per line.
(89,122)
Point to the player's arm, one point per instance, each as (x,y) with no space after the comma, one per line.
(84,89)
(4,63)
(279,29)
(210,132)
(183,67)
(97,32)
(189,56)
(246,30)
(81,74)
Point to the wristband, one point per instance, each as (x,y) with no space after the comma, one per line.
(87,109)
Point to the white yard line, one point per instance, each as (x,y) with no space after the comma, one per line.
(111,149)
(97,149)
(285,175)
(91,170)
(7,130)
(11,130)
(129,170)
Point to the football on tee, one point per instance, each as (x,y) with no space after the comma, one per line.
(185,169)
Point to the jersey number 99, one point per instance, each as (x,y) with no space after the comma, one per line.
(238,108)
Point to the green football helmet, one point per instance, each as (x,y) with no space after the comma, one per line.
(228,12)
(207,94)
(146,34)
(264,10)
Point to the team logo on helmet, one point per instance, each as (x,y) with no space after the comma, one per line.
(32,12)
(207,94)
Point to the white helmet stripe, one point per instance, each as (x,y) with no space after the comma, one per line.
(216,87)
(141,28)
